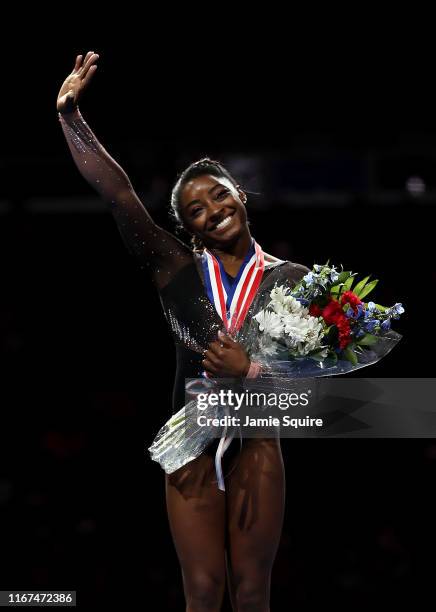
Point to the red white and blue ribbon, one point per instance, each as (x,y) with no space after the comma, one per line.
(232,299)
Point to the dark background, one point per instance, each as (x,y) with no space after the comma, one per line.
(329,143)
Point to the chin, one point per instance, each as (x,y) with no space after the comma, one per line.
(229,237)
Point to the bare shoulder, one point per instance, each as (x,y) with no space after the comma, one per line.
(271,259)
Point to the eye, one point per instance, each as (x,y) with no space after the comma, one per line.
(195,211)
(225,192)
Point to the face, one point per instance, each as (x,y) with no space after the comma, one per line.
(213,209)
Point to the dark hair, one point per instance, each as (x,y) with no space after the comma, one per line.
(198,168)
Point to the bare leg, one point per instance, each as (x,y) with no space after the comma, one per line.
(255,505)
(196,513)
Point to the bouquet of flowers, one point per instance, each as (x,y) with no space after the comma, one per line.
(324,319)
(320,327)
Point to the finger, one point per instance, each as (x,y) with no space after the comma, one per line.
(77,64)
(91,71)
(225,339)
(88,63)
(83,63)
(216,349)
(209,366)
(87,56)
(213,357)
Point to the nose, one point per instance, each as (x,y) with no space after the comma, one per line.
(216,212)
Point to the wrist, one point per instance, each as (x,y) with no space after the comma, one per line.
(72,114)
(253,370)
(246,369)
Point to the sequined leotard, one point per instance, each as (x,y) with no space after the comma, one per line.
(174,268)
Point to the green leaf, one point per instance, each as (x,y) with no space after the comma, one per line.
(369,287)
(333,356)
(358,288)
(343,277)
(350,355)
(382,308)
(367,340)
(348,283)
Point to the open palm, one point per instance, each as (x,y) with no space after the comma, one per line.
(76,82)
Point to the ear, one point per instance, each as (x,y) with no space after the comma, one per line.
(242,194)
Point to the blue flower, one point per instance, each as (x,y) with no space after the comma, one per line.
(398,308)
(371,306)
(303,301)
(386,325)
(308,279)
(360,311)
(370,326)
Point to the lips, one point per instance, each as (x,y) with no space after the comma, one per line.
(222,226)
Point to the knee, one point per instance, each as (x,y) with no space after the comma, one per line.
(252,593)
(204,592)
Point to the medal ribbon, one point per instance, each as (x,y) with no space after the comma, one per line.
(232,301)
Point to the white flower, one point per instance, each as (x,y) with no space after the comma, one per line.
(269,322)
(304,333)
(284,304)
(267,347)
(295,327)
(286,319)
(279,293)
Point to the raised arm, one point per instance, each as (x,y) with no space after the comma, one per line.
(155,248)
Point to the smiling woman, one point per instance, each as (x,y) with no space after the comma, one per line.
(206,294)
(207,201)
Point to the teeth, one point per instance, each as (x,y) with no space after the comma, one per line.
(223,222)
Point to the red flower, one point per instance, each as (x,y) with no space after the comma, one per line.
(332,312)
(344,333)
(315,310)
(334,315)
(344,341)
(348,297)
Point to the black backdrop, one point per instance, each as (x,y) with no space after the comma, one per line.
(84,340)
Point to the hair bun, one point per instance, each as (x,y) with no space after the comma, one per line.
(205,161)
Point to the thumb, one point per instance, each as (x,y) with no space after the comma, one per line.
(225,338)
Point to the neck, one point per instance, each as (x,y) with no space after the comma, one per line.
(235,251)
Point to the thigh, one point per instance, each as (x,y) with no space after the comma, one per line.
(196,514)
(255,506)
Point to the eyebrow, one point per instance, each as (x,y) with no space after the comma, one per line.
(210,191)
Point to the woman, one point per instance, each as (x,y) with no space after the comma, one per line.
(236,530)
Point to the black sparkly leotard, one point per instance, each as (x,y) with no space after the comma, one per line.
(175,269)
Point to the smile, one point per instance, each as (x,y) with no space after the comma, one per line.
(224,223)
